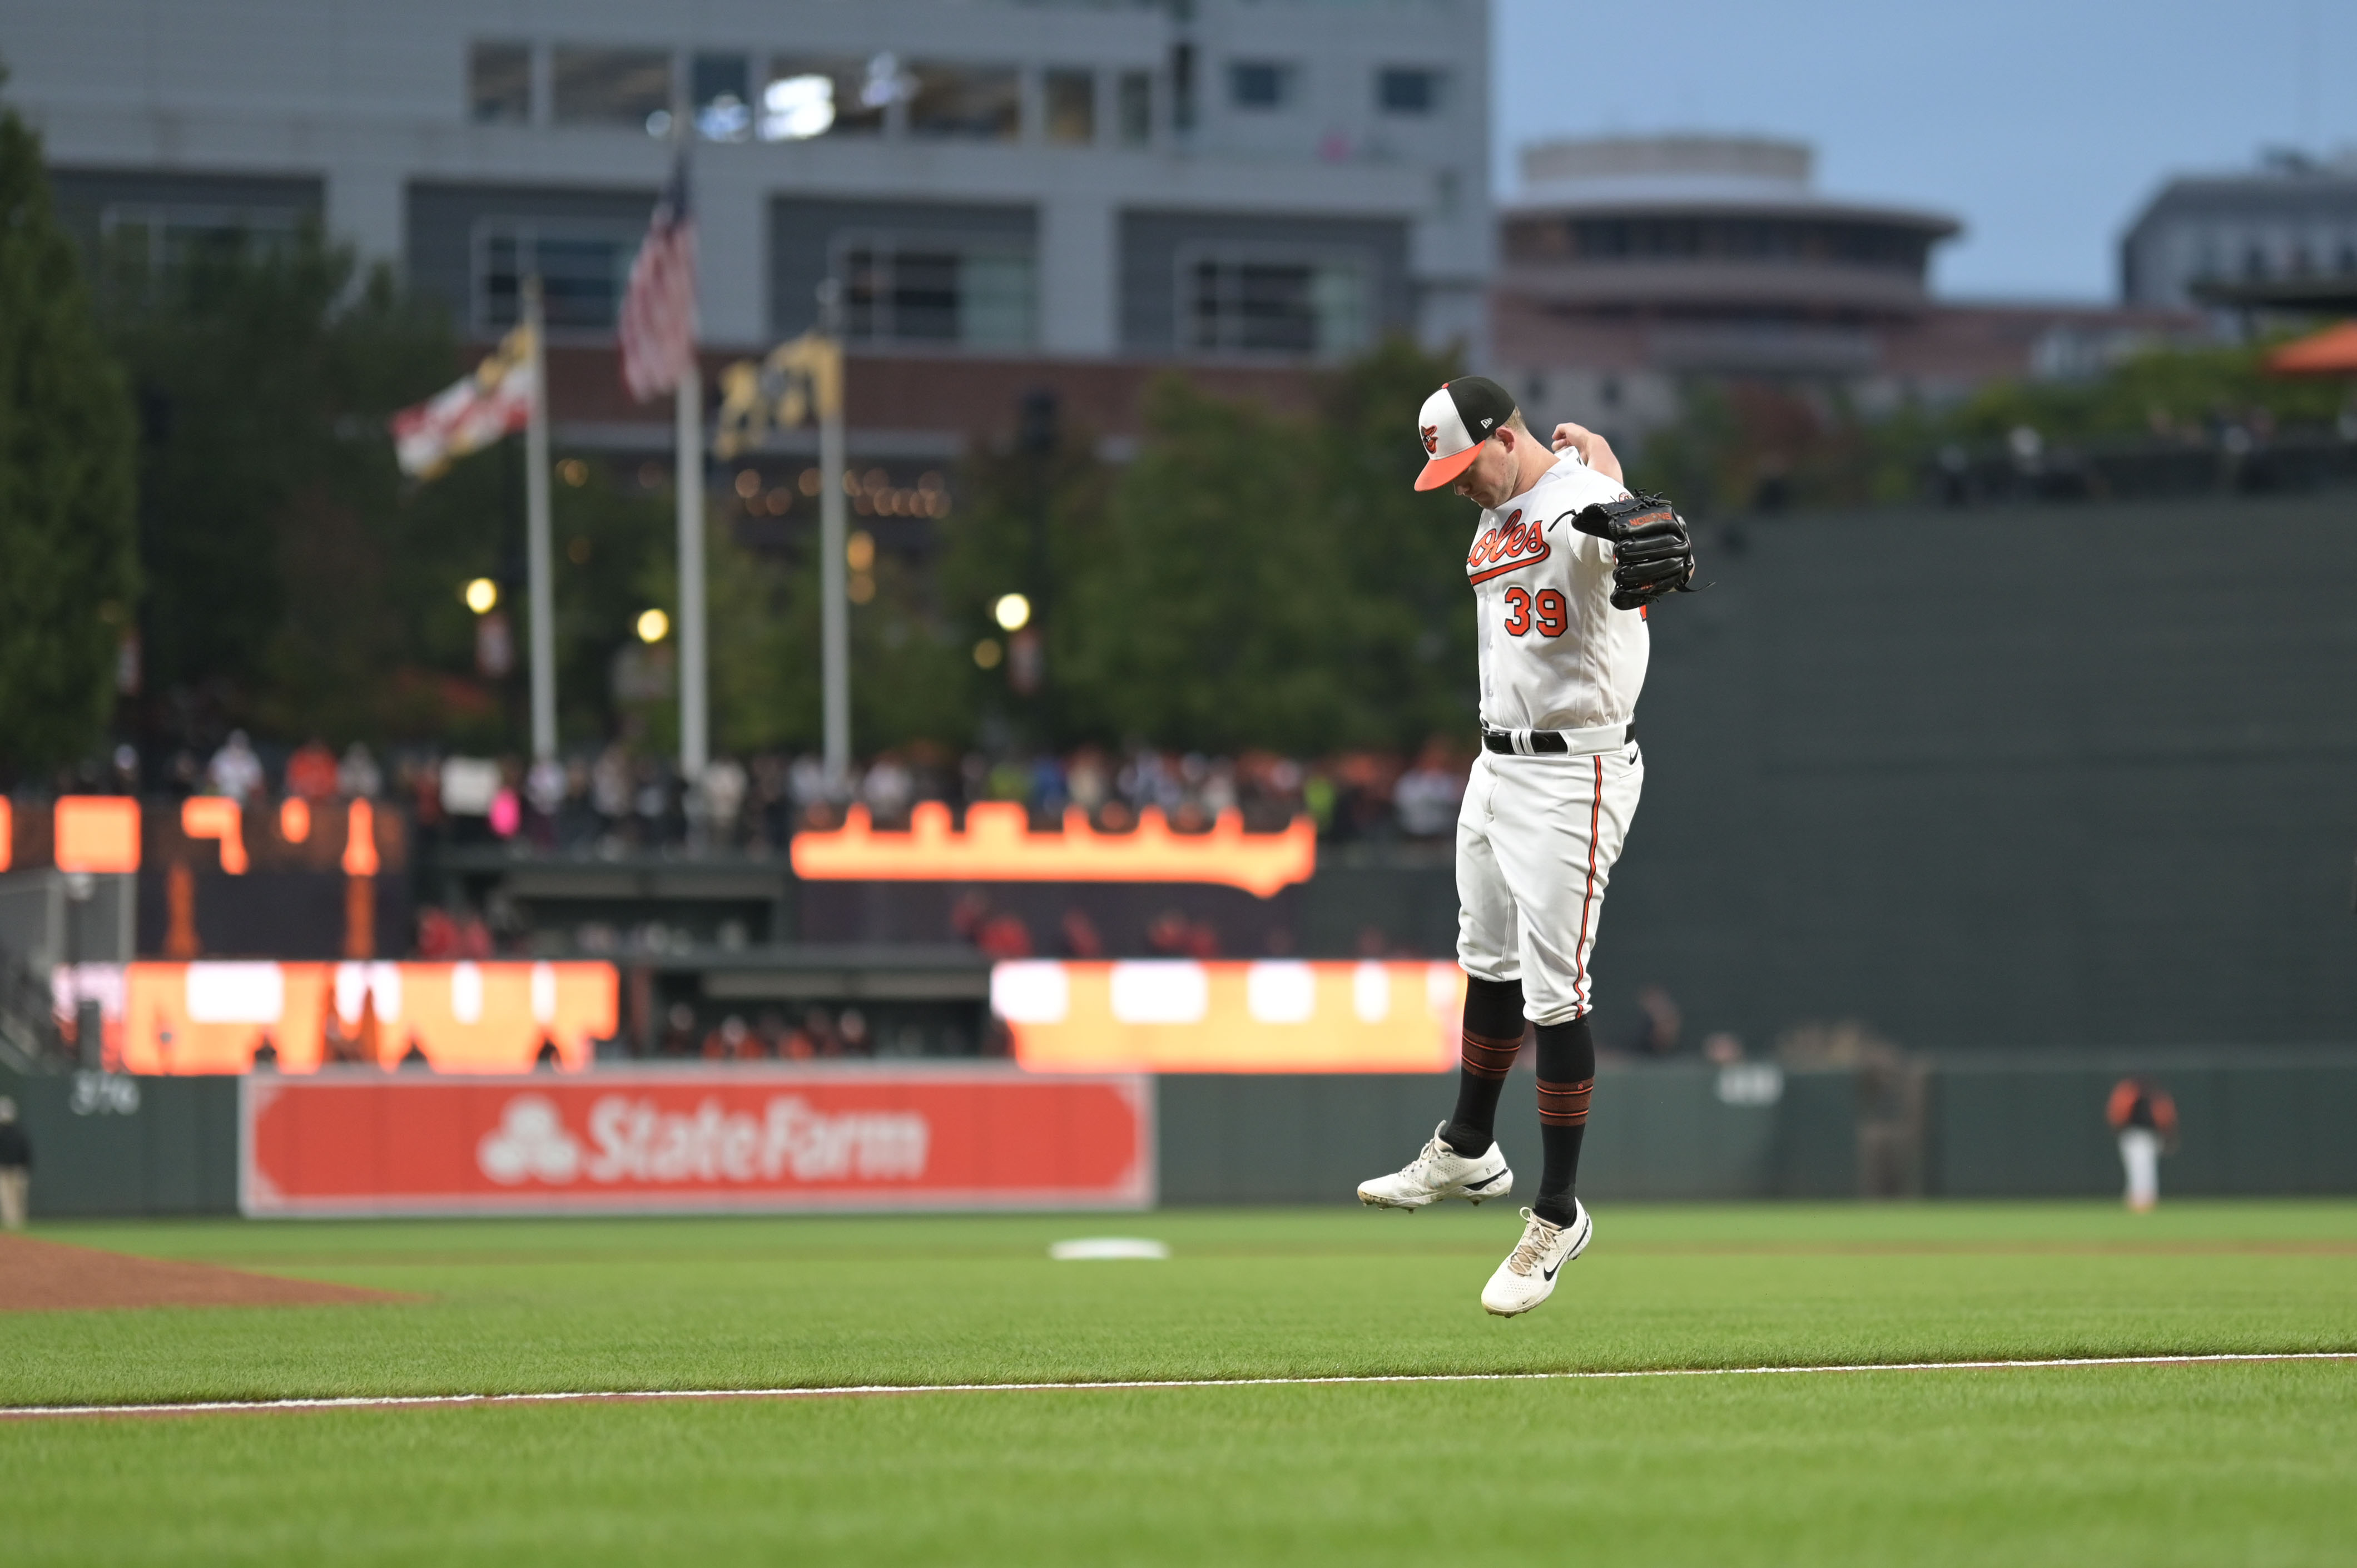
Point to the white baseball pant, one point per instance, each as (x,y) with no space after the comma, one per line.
(1536,838)
(2140,1153)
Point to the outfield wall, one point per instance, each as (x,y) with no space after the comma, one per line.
(1961,1126)
(1665,1132)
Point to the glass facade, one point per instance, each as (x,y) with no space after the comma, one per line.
(917,291)
(583,275)
(982,103)
(1256,305)
(499,83)
(610,87)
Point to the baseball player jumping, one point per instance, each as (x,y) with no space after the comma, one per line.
(1563,564)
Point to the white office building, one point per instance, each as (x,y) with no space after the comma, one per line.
(1256,182)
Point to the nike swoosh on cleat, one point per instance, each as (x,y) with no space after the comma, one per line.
(1551,1273)
(1478,1185)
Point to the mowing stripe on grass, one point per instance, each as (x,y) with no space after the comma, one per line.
(613,1396)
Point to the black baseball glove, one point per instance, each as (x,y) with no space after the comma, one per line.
(1652,553)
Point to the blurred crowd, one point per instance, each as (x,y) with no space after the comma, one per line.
(816,1035)
(618,800)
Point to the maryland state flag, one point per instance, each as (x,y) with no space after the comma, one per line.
(493,402)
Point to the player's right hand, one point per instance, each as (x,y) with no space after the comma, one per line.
(1593,449)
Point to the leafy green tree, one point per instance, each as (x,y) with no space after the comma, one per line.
(69,573)
(1398,554)
(1752,446)
(1210,621)
(1272,580)
(2166,394)
(1030,521)
(909,677)
(286,582)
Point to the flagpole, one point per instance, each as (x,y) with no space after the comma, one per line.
(541,586)
(835,607)
(694,743)
(694,713)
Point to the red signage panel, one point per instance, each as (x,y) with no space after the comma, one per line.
(780,1139)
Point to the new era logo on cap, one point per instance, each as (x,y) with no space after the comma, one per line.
(1454,422)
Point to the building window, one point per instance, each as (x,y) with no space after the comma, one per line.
(1272,306)
(1182,87)
(153,239)
(1071,103)
(583,273)
(968,102)
(1407,90)
(611,87)
(1260,84)
(498,84)
(720,86)
(918,289)
(1134,107)
(827,95)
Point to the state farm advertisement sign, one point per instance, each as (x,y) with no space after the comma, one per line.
(695,1138)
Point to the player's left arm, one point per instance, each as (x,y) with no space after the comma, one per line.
(1653,552)
(1593,449)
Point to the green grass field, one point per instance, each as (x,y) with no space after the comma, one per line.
(2210,1464)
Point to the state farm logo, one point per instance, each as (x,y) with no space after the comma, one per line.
(1507,548)
(637,1140)
(529,1141)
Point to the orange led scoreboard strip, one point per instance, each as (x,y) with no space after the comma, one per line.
(1262,1016)
(491,1017)
(104,833)
(997,846)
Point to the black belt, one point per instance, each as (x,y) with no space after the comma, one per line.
(1543,742)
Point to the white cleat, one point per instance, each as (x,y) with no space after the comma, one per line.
(1438,1172)
(1527,1276)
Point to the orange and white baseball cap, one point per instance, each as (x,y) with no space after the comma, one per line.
(1454,422)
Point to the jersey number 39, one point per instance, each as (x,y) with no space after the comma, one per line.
(1548,608)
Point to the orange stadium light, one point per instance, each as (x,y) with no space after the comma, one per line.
(218,817)
(998,846)
(359,840)
(1269,1015)
(97,833)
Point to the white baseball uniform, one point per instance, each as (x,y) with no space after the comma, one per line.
(1538,832)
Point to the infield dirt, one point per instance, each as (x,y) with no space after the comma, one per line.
(49,1276)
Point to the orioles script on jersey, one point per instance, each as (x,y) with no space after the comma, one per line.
(1508,549)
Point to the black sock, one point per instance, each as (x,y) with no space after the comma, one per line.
(1567,1075)
(1493,1038)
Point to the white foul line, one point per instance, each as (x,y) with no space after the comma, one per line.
(612,1396)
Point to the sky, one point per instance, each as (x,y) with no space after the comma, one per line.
(2044,126)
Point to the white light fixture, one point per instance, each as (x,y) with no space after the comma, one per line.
(653,626)
(796,108)
(725,119)
(481,596)
(886,84)
(1012,612)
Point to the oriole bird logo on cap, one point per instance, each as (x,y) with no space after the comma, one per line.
(1453,424)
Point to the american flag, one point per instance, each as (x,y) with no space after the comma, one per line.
(659,312)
